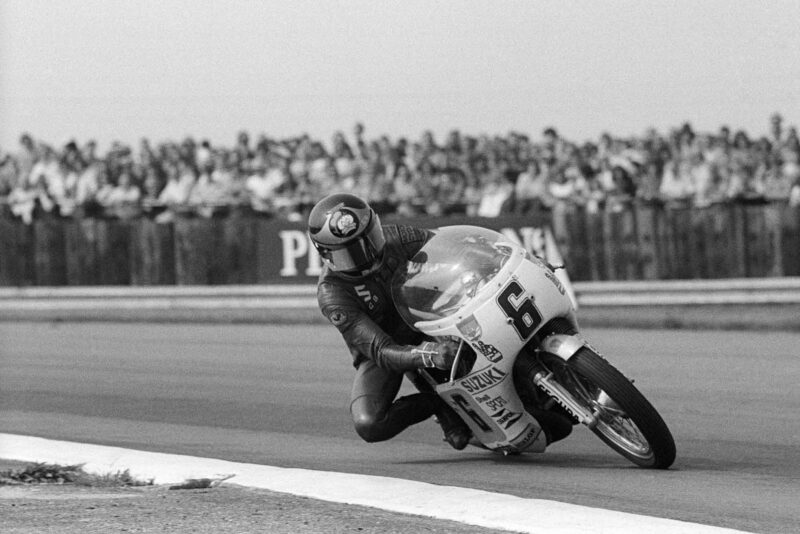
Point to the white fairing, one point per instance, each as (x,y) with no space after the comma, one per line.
(476,285)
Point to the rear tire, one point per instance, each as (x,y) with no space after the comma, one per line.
(658,449)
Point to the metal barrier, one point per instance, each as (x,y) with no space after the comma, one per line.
(741,291)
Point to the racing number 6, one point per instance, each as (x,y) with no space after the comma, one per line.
(523,316)
(464,405)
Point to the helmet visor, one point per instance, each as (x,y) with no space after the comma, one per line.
(360,255)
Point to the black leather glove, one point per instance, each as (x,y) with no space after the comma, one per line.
(438,355)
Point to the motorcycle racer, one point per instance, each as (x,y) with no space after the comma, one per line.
(354,292)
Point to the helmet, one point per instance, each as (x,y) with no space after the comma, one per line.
(347,233)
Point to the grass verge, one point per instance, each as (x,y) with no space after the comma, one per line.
(43,473)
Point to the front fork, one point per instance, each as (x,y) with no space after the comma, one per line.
(563,346)
(563,397)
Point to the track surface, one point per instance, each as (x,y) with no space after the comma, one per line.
(278,395)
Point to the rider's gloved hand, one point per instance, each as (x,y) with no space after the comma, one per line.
(433,354)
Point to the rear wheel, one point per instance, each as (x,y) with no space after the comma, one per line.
(626,421)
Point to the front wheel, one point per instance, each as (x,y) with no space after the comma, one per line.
(626,421)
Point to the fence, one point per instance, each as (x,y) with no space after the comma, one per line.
(651,242)
(646,242)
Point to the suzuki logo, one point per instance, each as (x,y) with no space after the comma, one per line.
(483,380)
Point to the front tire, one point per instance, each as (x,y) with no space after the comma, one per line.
(629,424)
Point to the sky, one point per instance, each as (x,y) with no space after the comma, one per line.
(164,69)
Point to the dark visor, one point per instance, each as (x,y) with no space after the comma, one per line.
(357,255)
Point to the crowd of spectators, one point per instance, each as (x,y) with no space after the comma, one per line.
(479,175)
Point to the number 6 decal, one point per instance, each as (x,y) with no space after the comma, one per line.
(522,314)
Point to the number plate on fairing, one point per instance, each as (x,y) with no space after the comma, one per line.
(487,402)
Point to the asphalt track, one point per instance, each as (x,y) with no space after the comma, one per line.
(278,395)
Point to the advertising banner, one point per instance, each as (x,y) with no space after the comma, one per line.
(292,259)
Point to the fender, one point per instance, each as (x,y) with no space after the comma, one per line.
(562,345)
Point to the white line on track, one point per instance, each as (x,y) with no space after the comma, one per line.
(475,507)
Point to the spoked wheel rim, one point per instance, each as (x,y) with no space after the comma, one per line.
(612,422)
(618,428)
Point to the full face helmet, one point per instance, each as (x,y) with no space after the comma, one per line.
(347,233)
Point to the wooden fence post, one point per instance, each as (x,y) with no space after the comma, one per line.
(699,222)
(621,251)
(17,253)
(191,251)
(757,241)
(114,251)
(596,245)
(647,222)
(569,230)
(679,238)
(790,240)
(83,267)
(152,253)
(219,261)
(241,234)
(773,226)
(720,254)
(49,244)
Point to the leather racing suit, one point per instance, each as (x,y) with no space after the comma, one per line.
(379,341)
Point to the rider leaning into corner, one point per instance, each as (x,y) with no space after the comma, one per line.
(354,293)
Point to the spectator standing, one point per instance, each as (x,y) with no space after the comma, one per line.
(589,192)
(319,163)
(794,194)
(648,190)
(560,187)
(26,199)
(790,157)
(48,168)
(104,189)
(706,185)
(497,193)
(8,175)
(472,195)
(229,179)
(404,192)
(343,157)
(776,131)
(449,185)
(175,195)
(208,196)
(203,154)
(358,134)
(27,156)
(263,185)
(676,184)
(151,187)
(243,152)
(123,200)
(300,159)
(381,188)
(89,152)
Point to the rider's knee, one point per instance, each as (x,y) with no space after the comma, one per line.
(368,428)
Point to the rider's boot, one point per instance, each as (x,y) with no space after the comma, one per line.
(556,422)
(456,432)
(555,426)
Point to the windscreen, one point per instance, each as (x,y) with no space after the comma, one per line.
(448,271)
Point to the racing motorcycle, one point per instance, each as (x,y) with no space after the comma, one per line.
(520,355)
